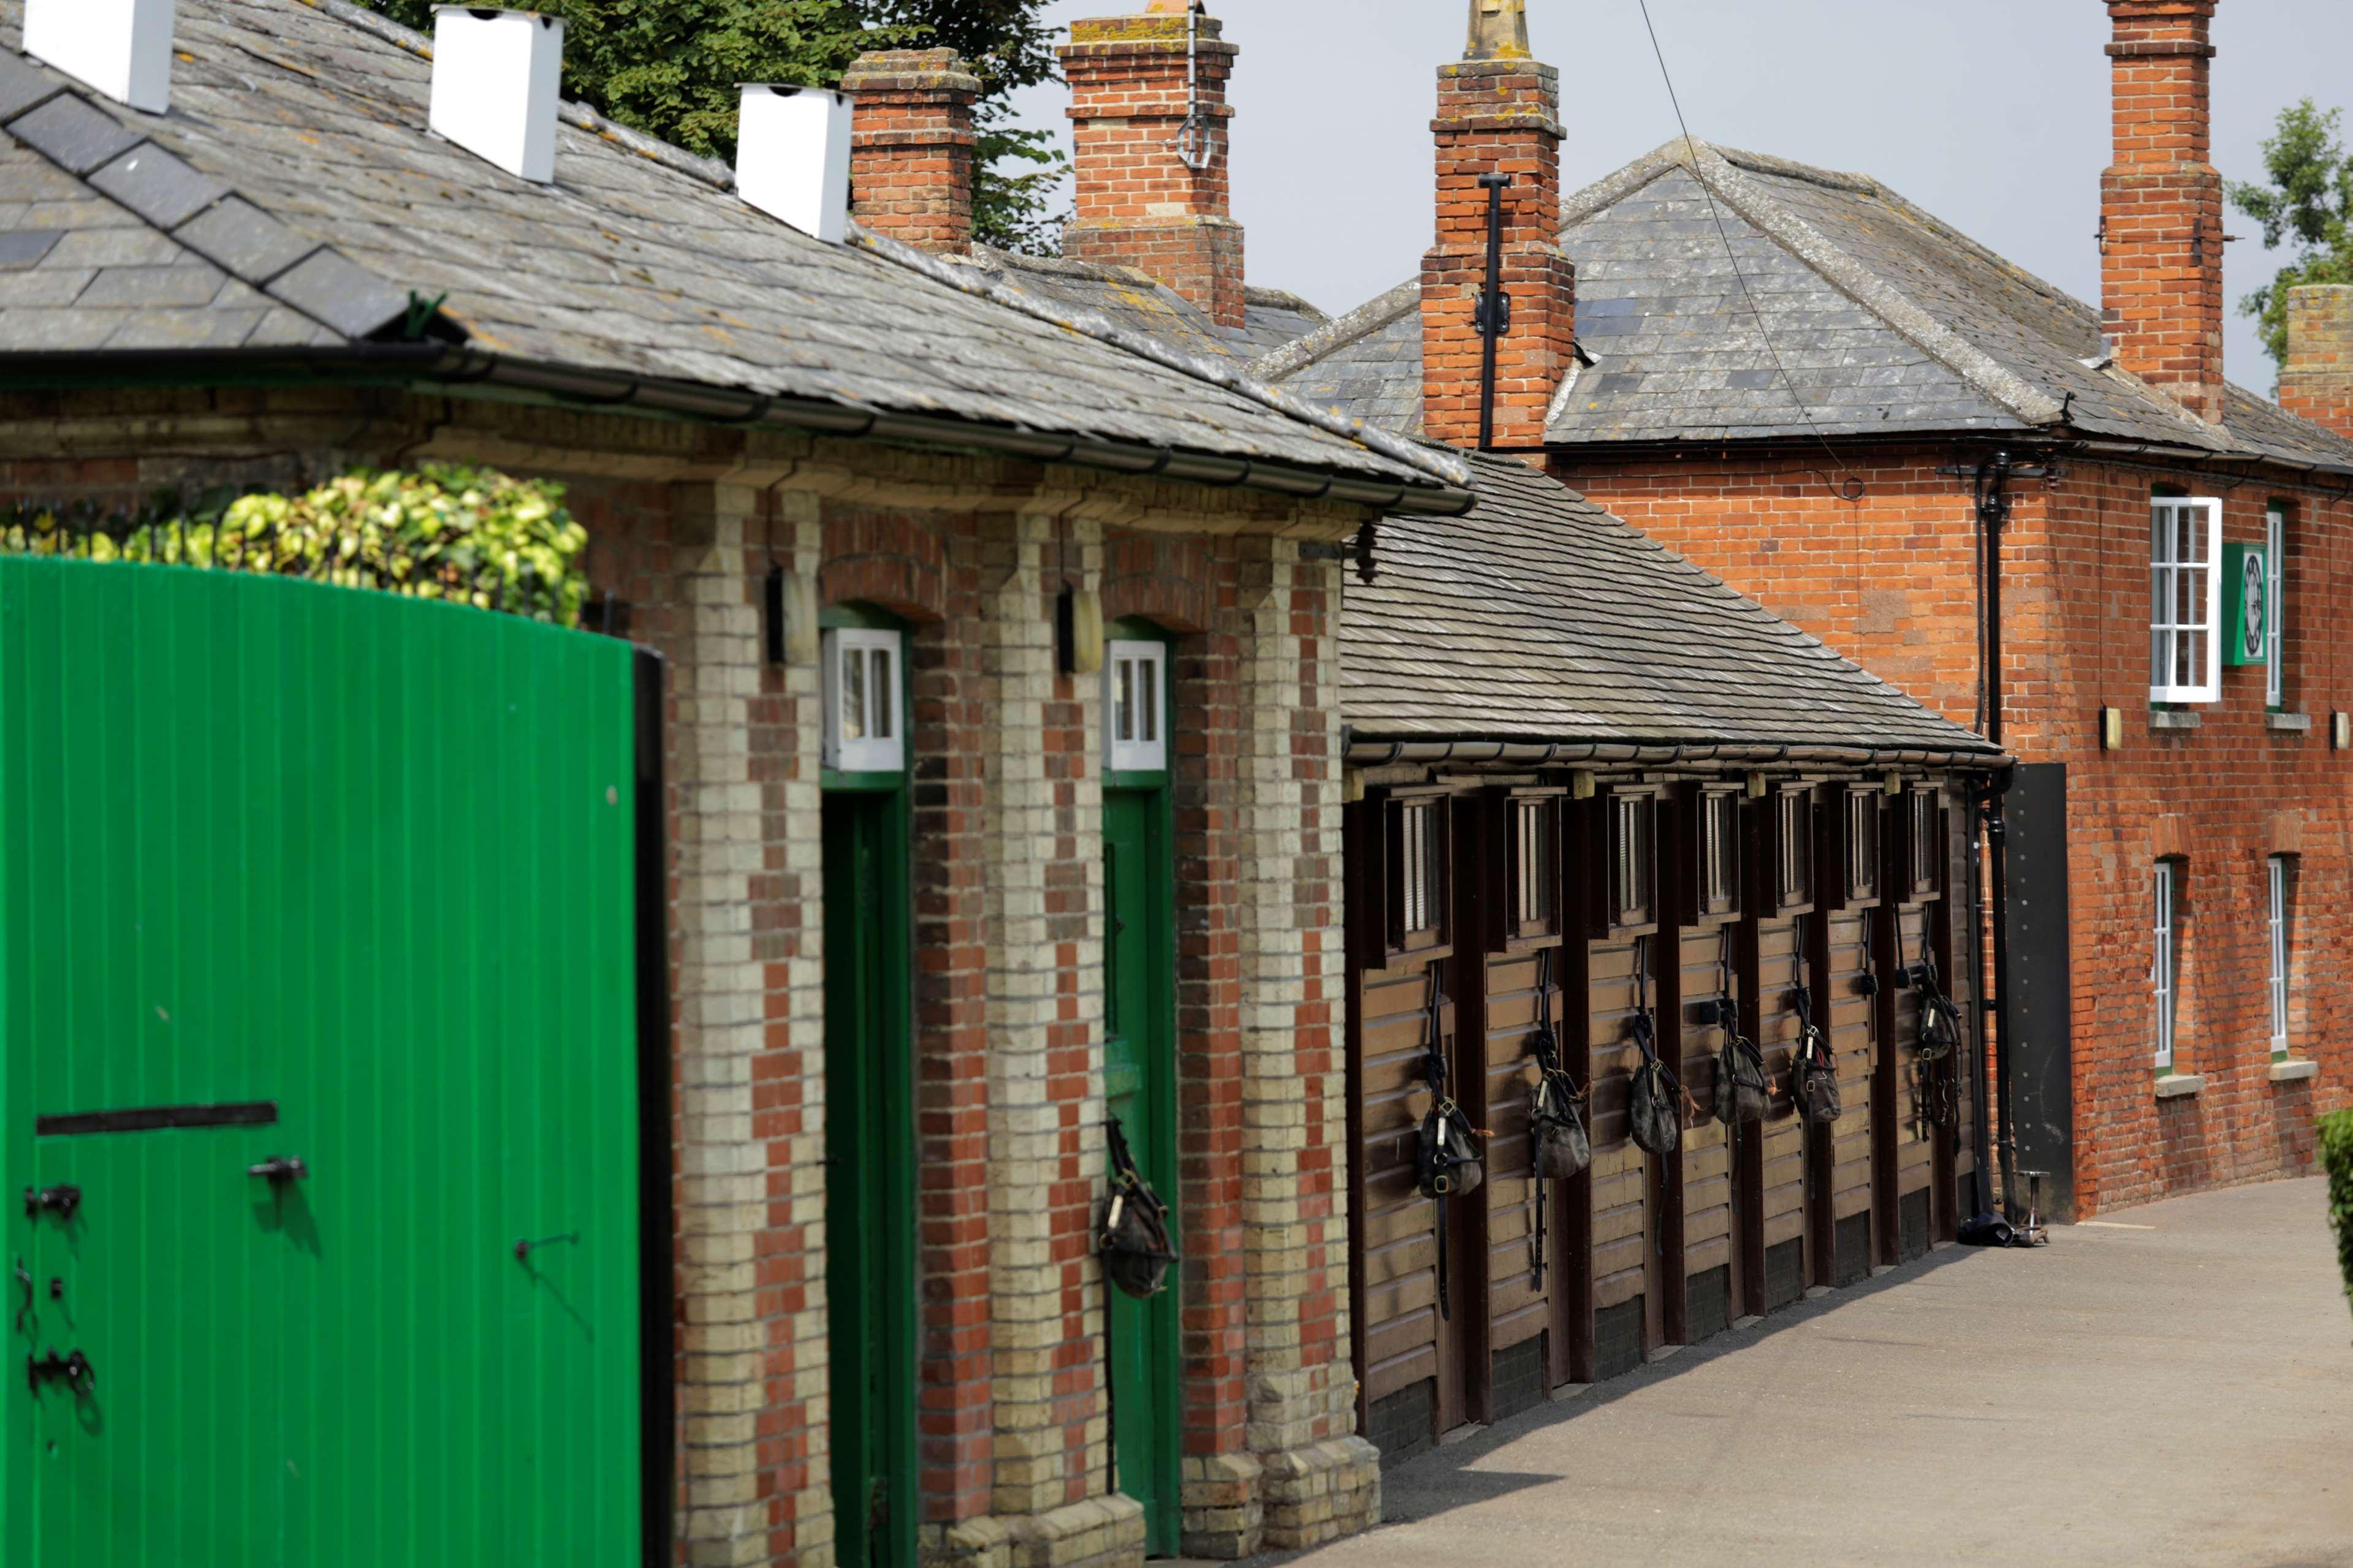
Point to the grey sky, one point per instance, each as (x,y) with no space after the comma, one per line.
(1991,113)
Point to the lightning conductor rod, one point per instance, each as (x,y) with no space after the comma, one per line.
(1494,313)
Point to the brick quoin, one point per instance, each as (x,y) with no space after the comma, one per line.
(1497,113)
(2161,204)
(911,159)
(1138,202)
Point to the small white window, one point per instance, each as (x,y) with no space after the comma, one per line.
(863,724)
(2163,972)
(2185,600)
(2279,879)
(2274,601)
(1136,707)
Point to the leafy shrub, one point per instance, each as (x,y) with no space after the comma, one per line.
(469,535)
(2337,1154)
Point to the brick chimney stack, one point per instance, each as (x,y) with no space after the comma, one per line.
(1498,112)
(2161,204)
(912,146)
(1148,118)
(2317,383)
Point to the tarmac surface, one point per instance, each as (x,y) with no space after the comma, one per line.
(2170,1384)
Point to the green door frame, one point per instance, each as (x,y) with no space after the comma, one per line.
(1140,1063)
(869,1093)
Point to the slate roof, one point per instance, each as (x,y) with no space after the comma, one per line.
(1883,321)
(293,200)
(1139,302)
(1540,619)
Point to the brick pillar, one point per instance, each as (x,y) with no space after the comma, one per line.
(2318,380)
(2161,204)
(1140,204)
(745,855)
(911,147)
(1498,112)
(1321,1481)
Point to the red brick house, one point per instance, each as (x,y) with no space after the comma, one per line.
(1834,401)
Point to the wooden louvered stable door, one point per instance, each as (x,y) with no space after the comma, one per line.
(1420,1371)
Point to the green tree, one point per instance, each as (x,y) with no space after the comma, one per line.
(670,67)
(2308,200)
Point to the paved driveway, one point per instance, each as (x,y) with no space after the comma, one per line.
(2174,1385)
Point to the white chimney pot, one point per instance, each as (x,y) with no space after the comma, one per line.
(120,48)
(497,80)
(792,157)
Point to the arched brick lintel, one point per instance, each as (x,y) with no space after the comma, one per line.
(885,559)
(1162,579)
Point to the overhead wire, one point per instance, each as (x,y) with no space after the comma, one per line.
(1854,489)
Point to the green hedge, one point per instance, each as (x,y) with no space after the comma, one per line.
(2337,1155)
(470,535)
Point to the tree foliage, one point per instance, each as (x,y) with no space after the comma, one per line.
(2308,204)
(670,68)
(2337,1159)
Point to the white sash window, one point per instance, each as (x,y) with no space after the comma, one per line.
(864,729)
(2185,600)
(2164,970)
(1136,687)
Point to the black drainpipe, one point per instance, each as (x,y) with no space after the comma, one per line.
(1494,315)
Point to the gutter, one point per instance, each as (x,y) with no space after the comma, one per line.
(1365,754)
(445,366)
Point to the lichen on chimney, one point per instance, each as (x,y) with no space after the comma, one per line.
(1499,30)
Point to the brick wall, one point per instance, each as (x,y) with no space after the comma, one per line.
(1888,579)
(2318,380)
(1012,1424)
(911,158)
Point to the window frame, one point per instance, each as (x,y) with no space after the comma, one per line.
(1531,868)
(2274,605)
(1863,841)
(866,753)
(2165,960)
(1794,839)
(2279,874)
(2166,636)
(1622,848)
(1706,909)
(1433,811)
(1147,754)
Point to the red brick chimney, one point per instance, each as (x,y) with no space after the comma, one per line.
(1148,118)
(911,147)
(2318,380)
(2161,204)
(1498,112)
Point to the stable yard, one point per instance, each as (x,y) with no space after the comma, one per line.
(2171,1385)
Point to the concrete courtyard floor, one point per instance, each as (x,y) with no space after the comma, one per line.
(2171,1385)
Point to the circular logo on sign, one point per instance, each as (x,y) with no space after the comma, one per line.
(2258,602)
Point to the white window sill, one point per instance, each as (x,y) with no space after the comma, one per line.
(2289,724)
(2173,1085)
(2290,1071)
(2164,718)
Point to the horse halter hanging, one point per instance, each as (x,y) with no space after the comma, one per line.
(1939,1034)
(1446,1148)
(1740,1081)
(1813,1069)
(1654,1095)
(1559,1147)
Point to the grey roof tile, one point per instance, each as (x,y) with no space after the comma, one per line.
(170,328)
(153,288)
(240,236)
(353,300)
(72,134)
(23,247)
(158,186)
(22,86)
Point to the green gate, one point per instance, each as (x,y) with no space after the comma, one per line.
(319,954)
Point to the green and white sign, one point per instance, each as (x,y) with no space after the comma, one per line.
(2247,605)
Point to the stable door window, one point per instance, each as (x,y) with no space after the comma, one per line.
(1719,854)
(1134,688)
(2275,603)
(863,724)
(2185,600)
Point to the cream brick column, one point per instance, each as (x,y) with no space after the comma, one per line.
(746,844)
(1045,1015)
(1321,1481)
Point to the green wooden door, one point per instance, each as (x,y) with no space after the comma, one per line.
(1140,1084)
(294,871)
(871,1145)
